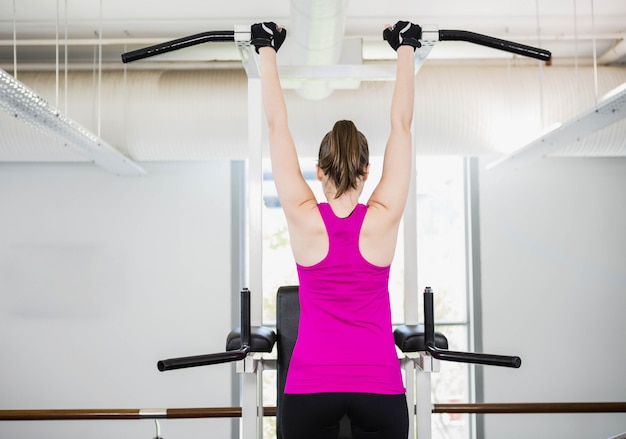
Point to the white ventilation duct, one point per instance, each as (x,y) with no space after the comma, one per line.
(315,36)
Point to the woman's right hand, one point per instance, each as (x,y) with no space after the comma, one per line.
(403,33)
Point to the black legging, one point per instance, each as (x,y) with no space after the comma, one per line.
(317,416)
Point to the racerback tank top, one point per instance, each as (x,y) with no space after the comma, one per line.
(345,339)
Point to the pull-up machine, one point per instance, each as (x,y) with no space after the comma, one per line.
(249,344)
(421,345)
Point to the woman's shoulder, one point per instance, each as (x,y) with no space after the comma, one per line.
(307,233)
(308,215)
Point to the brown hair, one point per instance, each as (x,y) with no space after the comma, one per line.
(344,156)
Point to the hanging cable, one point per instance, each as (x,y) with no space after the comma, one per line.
(14,43)
(99,100)
(56,58)
(541,113)
(124,93)
(595,57)
(65,83)
(575,43)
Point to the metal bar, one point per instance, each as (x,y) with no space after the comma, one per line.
(255,199)
(423,403)
(459,357)
(221,357)
(495,43)
(411,300)
(251,424)
(429,317)
(244,321)
(443,35)
(180,43)
(411,391)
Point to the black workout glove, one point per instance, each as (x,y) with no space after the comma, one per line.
(267,35)
(403,33)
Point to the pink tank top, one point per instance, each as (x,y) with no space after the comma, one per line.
(345,339)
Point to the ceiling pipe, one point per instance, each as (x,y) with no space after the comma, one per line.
(316,37)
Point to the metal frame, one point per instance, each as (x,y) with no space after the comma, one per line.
(251,369)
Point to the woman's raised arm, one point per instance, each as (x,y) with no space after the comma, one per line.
(293,191)
(391,192)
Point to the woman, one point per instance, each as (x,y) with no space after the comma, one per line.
(344,361)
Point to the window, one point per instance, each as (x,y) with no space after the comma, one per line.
(441,265)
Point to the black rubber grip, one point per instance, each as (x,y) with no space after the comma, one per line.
(475,358)
(169,46)
(495,43)
(203,360)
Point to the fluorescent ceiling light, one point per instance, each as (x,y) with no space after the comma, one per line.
(18,100)
(610,109)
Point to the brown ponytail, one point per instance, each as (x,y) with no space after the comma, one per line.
(344,156)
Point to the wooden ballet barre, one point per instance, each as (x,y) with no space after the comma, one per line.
(62,415)
(235,412)
(532,407)
(125,414)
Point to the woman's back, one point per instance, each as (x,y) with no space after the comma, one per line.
(345,341)
(309,238)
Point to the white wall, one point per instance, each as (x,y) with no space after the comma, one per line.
(553,246)
(101,277)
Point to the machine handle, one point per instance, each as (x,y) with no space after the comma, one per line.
(222,357)
(203,360)
(474,358)
(495,43)
(169,46)
(459,357)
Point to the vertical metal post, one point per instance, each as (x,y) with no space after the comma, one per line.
(410,246)
(255,200)
(423,406)
(430,35)
(409,376)
(248,425)
(420,424)
(474,281)
(245,317)
(429,317)
(251,379)
(259,398)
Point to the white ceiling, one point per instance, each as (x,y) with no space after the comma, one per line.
(570,29)
(35,33)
